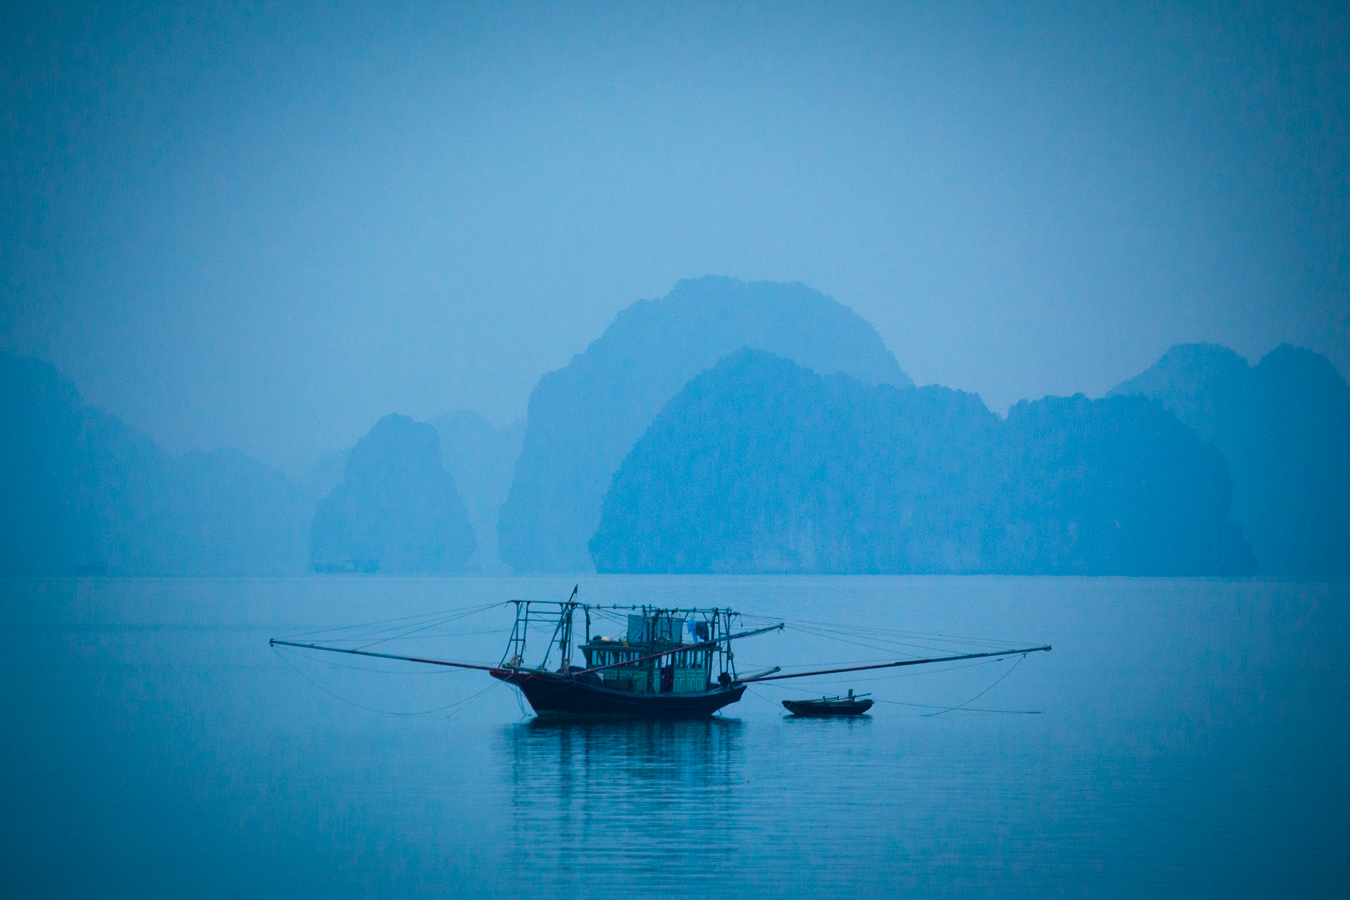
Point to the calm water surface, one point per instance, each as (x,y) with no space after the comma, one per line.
(1184,738)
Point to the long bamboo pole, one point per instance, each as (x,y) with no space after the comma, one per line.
(416,659)
(892,665)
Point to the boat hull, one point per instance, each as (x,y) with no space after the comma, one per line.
(827,709)
(551,694)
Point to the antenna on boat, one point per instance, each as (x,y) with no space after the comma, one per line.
(565,623)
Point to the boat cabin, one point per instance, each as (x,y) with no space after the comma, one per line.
(652,657)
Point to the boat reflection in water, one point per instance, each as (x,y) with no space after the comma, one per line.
(624,796)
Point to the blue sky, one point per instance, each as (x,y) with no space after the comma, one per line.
(265,225)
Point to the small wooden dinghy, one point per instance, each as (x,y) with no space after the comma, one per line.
(830,706)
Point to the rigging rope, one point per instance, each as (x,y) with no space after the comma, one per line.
(836,631)
(466,610)
(906,673)
(371,709)
(983,692)
(963,707)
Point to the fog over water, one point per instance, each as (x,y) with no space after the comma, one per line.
(264,226)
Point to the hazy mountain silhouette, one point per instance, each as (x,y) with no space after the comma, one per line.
(760,465)
(481,459)
(48,525)
(584,418)
(397,510)
(1117,486)
(84,492)
(240,516)
(324,474)
(1284,426)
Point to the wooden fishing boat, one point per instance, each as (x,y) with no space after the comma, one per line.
(830,707)
(662,667)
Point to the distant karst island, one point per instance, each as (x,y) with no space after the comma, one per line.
(396,510)
(730,427)
(760,465)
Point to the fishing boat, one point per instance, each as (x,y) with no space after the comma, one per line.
(669,663)
(830,707)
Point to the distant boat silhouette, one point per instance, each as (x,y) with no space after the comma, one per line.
(348,566)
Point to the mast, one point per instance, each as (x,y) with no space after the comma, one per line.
(729,655)
(565,623)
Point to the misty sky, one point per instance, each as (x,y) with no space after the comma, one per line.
(264,229)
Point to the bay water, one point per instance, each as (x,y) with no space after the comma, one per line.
(1184,738)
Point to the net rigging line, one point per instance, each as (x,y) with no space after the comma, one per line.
(888,646)
(880,634)
(942,709)
(983,692)
(421,671)
(413,627)
(894,646)
(872,629)
(884,649)
(920,673)
(979,709)
(975,709)
(497,630)
(483,693)
(371,709)
(364,629)
(873,642)
(414,630)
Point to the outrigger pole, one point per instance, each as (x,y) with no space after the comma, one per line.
(416,659)
(753,678)
(892,665)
